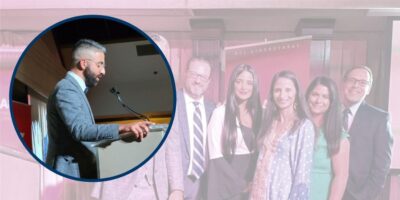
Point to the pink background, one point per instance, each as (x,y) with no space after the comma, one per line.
(21,177)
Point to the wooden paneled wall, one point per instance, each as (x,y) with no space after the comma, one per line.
(41,68)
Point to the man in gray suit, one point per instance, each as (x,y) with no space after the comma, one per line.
(191,119)
(370,137)
(71,125)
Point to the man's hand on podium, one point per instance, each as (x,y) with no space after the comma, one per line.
(176,195)
(134,131)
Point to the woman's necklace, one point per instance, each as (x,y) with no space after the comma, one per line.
(282,127)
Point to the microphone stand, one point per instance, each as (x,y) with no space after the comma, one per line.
(156,127)
(116,93)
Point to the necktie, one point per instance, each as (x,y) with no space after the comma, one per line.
(198,152)
(346,113)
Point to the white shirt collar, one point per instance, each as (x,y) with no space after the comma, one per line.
(191,100)
(354,108)
(80,81)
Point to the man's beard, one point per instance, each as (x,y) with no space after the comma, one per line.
(90,78)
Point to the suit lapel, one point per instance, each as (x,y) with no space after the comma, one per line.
(83,95)
(183,121)
(358,120)
(209,107)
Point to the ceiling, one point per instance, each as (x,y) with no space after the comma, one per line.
(175,24)
(101,30)
(179,19)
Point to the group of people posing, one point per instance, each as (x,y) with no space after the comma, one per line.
(315,146)
(318,146)
(290,148)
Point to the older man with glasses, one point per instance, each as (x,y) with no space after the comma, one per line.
(191,119)
(370,137)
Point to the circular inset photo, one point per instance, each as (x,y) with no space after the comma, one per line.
(93,97)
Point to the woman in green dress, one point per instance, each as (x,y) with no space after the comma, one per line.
(331,153)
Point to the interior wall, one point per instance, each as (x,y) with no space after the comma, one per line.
(141,98)
(270,58)
(19,177)
(335,54)
(394,103)
(79,190)
(41,67)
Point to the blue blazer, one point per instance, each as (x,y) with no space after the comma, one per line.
(71,128)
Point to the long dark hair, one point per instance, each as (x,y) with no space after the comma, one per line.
(229,134)
(271,112)
(332,126)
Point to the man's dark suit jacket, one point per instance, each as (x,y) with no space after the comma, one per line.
(70,126)
(371,141)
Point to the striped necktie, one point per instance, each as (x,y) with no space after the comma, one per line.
(198,152)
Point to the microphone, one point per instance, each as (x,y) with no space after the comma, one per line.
(116,93)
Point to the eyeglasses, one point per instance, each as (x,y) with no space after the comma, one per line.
(99,64)
(362,83)
(195,75)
